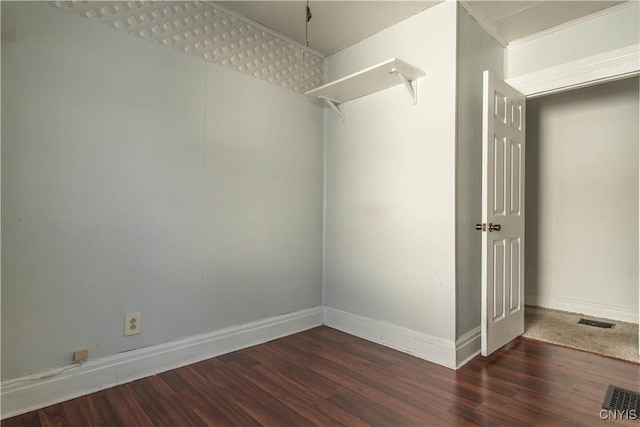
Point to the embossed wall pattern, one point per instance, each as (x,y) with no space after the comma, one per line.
(205,31)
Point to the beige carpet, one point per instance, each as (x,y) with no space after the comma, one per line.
(562,328)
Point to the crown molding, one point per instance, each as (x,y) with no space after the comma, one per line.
(573,22)
(604,67)
(490,29)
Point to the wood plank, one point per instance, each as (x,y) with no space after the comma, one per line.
(211,403)
(28,419)
(126,407)
(163,406)
(326,377)
(77,411)
(101,411)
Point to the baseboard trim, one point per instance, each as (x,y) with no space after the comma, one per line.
(26,394)
(625,314)
(427,347)
(468,346)
(608,66)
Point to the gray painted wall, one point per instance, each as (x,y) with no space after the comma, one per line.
(476,52)
(582,200)
(390,183)
(137,178)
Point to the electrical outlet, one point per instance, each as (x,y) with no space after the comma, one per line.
(132,324)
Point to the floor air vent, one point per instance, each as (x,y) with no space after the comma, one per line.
(622,401)
(597,324)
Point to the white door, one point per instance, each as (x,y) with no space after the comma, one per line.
(502,225)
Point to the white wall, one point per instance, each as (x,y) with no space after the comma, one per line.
(604,33)
(582,200)
(137,178)
(477,51)
(390,183)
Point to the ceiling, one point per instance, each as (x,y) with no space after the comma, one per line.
(336,25)
(513,20)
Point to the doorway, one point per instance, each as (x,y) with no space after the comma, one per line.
(582,201)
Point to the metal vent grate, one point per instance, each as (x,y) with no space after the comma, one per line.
(621,400)
(597,324)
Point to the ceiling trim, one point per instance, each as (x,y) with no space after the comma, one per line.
(484,24)
(600,68)
(262,27)
(573,22)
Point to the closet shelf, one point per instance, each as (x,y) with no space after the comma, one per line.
(381,76)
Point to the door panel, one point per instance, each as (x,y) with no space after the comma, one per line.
(516,178)
(503,204)
(514,292)
(499,183)
(498,279)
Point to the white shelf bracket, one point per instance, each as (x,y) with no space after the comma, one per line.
(335,106)
(384,75)
(411,85)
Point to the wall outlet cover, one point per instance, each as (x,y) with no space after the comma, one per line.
(132,323)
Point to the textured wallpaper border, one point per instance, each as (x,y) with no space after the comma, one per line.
(209,32)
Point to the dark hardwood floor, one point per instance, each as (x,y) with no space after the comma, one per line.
(326,377)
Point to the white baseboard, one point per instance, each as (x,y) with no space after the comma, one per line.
(468,347)
(29,393)
(625,314)
(427,347)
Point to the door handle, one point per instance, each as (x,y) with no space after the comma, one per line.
(490,227)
